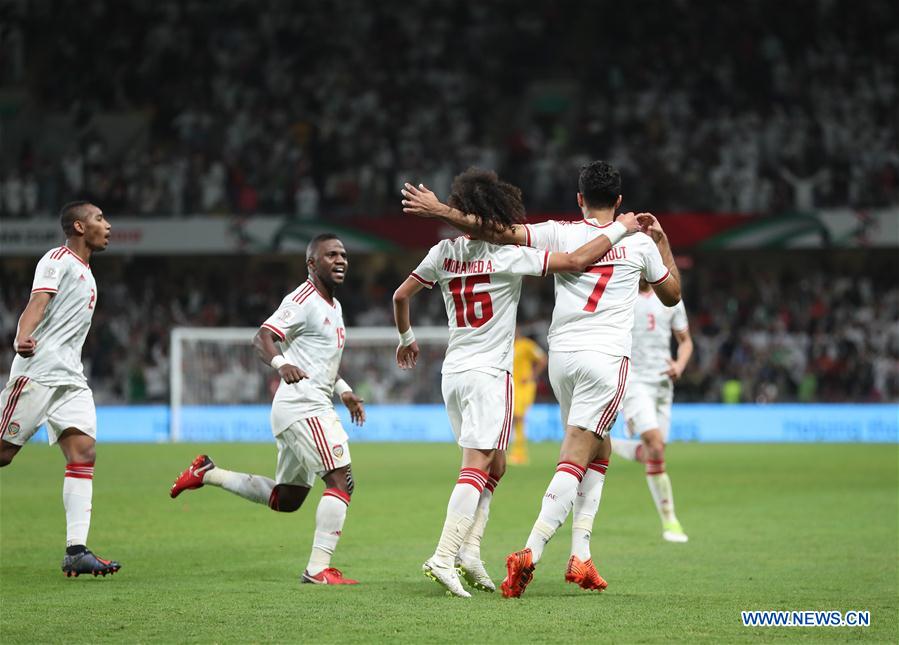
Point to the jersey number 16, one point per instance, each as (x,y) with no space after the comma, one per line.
(465,299)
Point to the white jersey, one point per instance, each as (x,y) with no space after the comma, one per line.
(312,338)
(60,334)
(595,309)
(653,324)
(481,286)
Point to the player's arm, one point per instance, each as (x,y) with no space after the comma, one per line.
(25,344)
(424,203)
(352,402)
(587,255)
(268,352)
(407,350)
(677,366)
(668,289)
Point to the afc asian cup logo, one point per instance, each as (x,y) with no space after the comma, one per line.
(13,429)
(338,451)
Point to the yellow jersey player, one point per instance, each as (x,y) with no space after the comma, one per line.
(528,362)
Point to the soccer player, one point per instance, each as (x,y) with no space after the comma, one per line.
(528,364)
(589,346)
(481,286)
(647,403)
(47,382)
(310,438)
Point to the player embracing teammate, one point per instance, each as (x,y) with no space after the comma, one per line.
(481,287)
(589,348)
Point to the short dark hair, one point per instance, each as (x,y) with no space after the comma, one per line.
(71,213)
(599,183)
(480,192)
(312,247)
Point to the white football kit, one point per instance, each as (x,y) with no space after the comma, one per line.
(311,440)
(647,403)
(481,287)
(50,386)
(590,334)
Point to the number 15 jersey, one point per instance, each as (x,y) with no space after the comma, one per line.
(481,286)
(595,309)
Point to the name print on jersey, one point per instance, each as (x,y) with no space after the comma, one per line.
(467,266)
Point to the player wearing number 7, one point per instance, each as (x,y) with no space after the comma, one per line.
(481,286)
(589,346)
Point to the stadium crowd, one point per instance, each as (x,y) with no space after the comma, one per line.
(807,330)
(248,108)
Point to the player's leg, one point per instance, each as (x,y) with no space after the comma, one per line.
(327,452)
(256,488)
(656,476)
(22,408)
(468,560)
(72,423)
(639,412)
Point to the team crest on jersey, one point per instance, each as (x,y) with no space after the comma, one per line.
(13,429)
(285,316)
(50,272)
(338,451)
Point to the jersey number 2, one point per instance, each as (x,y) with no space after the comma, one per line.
(465,300)
(605,274)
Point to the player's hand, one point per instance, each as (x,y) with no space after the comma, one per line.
(650,225)
(292,374)
(674,370)
(630,222)
(422,202)
(354,404)
(407,356)
(25,347)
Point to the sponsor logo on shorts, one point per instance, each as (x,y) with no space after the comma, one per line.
(13,429)
(338,451)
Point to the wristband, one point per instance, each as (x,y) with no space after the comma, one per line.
(407,337)
(615,232)
(278,361)
(341,387)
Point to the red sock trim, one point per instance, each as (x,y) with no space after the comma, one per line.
(339,494)
(474,476)
(492,483)
(655,466)
(571,468)
(600,466)
(80,470)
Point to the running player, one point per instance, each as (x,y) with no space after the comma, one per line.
(481,286)
(311,440)
(589,346)
(527,365)
(647,403)
(47,382)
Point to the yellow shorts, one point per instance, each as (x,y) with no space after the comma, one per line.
(525,393)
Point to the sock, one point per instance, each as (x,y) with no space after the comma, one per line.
(557,503)
(630,449)
(77,491)
(471,546)
(460,512)
(660,488)
(329,518)
(252,487)
(586,504)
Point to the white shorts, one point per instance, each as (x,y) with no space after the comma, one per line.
(311,448)
(27,405)
(589,387)
(647,406)
(479,405)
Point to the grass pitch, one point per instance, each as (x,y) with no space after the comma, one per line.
(771,527)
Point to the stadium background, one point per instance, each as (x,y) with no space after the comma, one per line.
(219,137)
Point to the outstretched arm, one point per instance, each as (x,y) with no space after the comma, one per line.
(407,350)
(591,252)
(424,203)
(25,345)
(668,290)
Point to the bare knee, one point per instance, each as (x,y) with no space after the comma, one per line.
(286,498)
(77,447)
(655,449)
(7,453)
(498,467)
(341,479)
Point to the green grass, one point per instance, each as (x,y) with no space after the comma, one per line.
(771,527)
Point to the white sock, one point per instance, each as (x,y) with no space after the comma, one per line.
(557,503)
(77,491)
(460,512)
(586,504)
(329,519)
(471,546)
(252,487)
(627,448)
(660,489)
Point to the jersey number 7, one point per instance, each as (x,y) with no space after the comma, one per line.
(465,299)
(605,274)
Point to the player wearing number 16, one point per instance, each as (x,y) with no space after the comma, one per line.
(589,346)
(481,286)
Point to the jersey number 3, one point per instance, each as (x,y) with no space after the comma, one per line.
(465,300)
(605,274)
